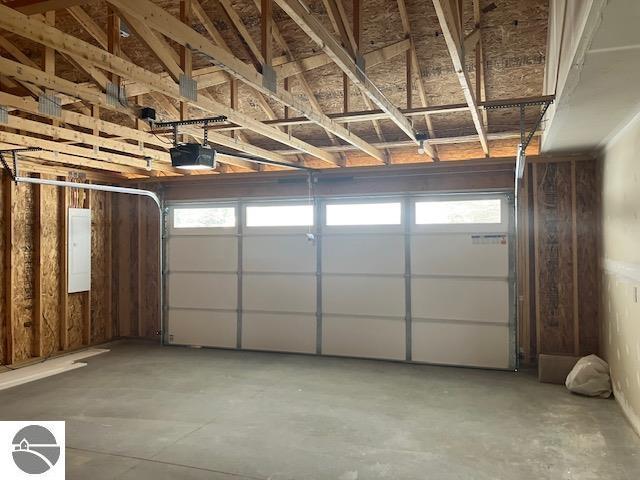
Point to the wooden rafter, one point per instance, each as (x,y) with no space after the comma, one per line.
(38,32)
(168,25)
(299,13)
(246,38)
(450,23)
(481,84)
(304,85)
(352,38)
(164,52)
(414,68)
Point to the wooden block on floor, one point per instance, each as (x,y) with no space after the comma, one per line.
(555,368)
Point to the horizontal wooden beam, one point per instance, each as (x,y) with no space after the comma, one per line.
(81,154)
(434,141)
(74,136)
(368,115)
(29,105)
(11,140)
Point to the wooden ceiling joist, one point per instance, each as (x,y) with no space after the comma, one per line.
(171,27)
(301,15)
(509,135)
(61,153)
(22,25)
(29,105)
(172,59)
(451,30)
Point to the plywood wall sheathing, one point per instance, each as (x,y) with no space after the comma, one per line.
(566,216)
(37,316)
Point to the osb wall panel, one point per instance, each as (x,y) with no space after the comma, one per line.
(23,263)
(587,216)
(31,337)
(50,267)
(565,256)
(100,267)
(76,319)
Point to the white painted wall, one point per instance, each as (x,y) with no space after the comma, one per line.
(621,266)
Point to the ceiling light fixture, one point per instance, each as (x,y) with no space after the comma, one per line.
(422,138)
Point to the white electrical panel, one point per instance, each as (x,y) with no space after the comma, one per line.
(79,250)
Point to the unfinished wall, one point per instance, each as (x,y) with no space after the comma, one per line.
(621,267)
(558,221)
(558,258)
(37,317)
(136,254)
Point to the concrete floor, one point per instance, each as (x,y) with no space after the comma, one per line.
(149,412)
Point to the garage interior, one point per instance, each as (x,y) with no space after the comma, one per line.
(322,239)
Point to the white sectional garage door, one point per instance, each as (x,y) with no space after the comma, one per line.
(424,279)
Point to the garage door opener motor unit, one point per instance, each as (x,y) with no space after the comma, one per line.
(192,156)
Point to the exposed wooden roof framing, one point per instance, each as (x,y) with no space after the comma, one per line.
(331,46)
(388,49)
(451,21)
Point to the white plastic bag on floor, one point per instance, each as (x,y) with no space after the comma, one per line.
(590,377)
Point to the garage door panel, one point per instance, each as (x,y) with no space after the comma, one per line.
(363,254)
(279,332)
(458,255)
(364,337)
(363,295)
(206,253)
(203,290)
(460,299)
(203,327)
(279,293)
(478,345)
(278,254)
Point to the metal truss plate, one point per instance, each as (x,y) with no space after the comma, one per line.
(116,95)
(4,115)
(188,87)
(269,80)
(49,105)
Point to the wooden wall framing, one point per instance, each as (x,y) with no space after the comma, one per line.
(38,318)
(557,250)
(558,259)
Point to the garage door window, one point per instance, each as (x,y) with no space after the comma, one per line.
(364,214)
(459,212)
(213,217)
(280,216)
